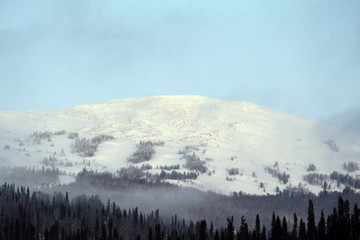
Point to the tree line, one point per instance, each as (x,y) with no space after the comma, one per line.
(36,215)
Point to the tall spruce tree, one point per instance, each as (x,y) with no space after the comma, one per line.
(355,223)
(216,237)
(150,234)
(278,228)
(284,229)
(311,228)
(222,235)
(332,225)
(203,230)
(257,230)
(302,230)
(294,232)
(230,228)
(347,219)
(273,227)
(263,233)
(341,224)
(211,230)
(158,232)
(244,230)
(321,234)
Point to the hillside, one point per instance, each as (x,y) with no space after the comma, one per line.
(231,146)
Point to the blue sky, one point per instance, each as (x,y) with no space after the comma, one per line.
(300,57)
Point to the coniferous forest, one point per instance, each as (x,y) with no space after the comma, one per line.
(36,215)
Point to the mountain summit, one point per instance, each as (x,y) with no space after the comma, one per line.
(229,145)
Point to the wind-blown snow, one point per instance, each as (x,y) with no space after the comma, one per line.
(228,134)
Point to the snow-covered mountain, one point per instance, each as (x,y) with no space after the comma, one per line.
(242,146)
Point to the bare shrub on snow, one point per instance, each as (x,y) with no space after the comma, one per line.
(50,161)
(38,136)
(311,167)
(171,167)
(54,162)
(88,147)
(174,175)
(332,145)
(188,149)
(275,172)
(345,179)
(102,138)
(193,162)
(62,132)
(351,166)
(73,135)
(158,144)
(315,178)
(144,152)
(146,167)
(230,179)
(233,171)
(84,146)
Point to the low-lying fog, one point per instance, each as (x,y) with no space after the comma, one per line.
(187,203)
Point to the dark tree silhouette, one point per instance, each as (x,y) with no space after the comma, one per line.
(294,232)
(257,230)
(321,235)
(302,230)
(230,228)
(311,228)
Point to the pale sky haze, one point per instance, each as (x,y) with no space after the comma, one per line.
(300,57)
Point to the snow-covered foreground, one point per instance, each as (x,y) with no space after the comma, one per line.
(225,135)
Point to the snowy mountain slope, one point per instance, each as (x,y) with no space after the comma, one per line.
(224,134)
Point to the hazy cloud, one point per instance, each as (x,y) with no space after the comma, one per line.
(348,120)
(301,57)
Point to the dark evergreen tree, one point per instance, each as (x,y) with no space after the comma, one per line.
(222,235)
(355,223)
(17,230)
(284,231)
(216,237)
(116,234)
(332,225)
(294,232)
(244,230)
(141,219)
(302,230)
(347,224)
(46,234)
(321,234)
(97,227)
(273,234)
(211,231)
(257,230)
(311,228)
(341,225)
(135,216)
(230,228)
(278,228)
(158,232)
(150,235)
(263,233)
(103,231)
(111,226)
(203,230)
